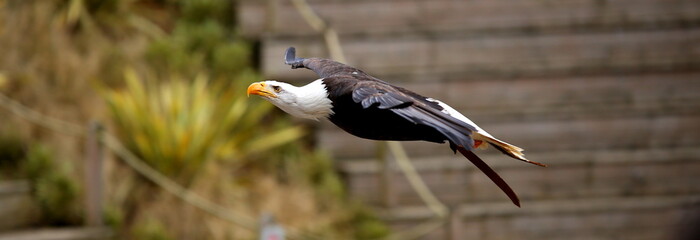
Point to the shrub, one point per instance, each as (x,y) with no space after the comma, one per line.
(54,191)
(12,151)
(177,126)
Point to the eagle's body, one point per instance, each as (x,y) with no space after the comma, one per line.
(372,123)
(370,108)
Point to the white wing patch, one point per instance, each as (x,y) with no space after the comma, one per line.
(482,135)
(455,114)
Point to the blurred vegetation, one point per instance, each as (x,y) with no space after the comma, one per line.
(178,126)
(54,191)
(12,152)
(172,74)
(152,229)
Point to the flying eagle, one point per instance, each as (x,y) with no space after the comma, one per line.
(370,108)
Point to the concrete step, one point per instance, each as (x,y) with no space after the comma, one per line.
(504,100)
(645,217)
(418,58)
(67,233)
(570,175)
(391,17)
(644,130)
(17,209)
(19,213)
(562,92)
(655,110)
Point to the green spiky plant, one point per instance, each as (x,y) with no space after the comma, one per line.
(179,125)
(171,44)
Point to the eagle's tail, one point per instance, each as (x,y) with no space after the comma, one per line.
(490,173)
(505,148)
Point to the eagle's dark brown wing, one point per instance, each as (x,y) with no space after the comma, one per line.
(384,96)
(371,94)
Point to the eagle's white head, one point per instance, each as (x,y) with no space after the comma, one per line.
(310,101)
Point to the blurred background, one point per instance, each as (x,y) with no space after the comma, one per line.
(128,119)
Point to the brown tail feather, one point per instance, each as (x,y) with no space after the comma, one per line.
(510,150)
(490,173)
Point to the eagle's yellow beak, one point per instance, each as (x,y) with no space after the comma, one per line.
(259,88)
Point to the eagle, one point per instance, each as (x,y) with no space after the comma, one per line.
(370,108)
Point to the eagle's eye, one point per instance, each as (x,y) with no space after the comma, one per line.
(277,88)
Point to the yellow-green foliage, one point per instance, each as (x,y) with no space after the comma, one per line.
(187,115)
(152,229)
(177,126)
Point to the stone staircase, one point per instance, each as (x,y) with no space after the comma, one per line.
(19,214)
(66,233)
(605,92)
(16,207)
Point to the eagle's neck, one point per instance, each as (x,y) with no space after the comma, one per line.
(311,101)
